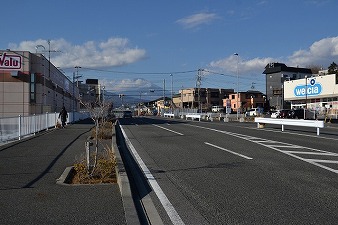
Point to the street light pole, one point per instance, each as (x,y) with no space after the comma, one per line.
(305,108)
(75,77)
(236,54)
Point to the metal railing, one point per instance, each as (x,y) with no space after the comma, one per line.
(15,128)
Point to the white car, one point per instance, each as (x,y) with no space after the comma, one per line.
(254,112)
(275,114)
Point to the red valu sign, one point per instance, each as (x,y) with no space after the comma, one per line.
(10,62)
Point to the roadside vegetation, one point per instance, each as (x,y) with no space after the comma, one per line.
(97,163)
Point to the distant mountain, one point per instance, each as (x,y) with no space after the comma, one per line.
(134,97)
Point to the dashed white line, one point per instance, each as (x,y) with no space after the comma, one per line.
(224,149)
(168,129)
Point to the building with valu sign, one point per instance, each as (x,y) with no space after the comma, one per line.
(30,84)
(318,93)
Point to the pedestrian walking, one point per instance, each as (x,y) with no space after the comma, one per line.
(63,115)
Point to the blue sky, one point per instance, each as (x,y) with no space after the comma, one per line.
(131,46)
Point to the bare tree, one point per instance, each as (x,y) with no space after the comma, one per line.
(314,68)
(98,111)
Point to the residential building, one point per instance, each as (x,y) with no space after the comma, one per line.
(276,74)
(201,98)
(90,92)
(245,100)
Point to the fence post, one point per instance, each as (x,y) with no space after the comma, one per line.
(34,123)
(19,127)
(47,121)
(87,146)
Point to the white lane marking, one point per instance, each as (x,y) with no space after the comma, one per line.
(261,142)
(169,208)
(224,149)
(313,153)
(323,161)
(286,132)
(168,129)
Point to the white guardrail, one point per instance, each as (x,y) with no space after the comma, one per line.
(290,122)
(171,115)
(193,116)
(14,128)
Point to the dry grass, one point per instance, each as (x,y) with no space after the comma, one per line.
(104,172)
(105,131)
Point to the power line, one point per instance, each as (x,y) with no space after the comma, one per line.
(140,73)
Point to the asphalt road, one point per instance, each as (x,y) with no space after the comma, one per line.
(235,173)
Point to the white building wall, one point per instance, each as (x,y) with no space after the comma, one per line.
(320,93)
(317,87)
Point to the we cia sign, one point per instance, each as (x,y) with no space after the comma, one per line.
(311,89)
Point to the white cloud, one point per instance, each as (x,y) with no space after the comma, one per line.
(113,52)
(229,64)
(197,20)
(127,84)
(320,53)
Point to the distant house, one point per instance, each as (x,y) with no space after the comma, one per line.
(201,98)
(245,100)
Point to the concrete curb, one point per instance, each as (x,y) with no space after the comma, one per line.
(144,205)
(130,211)
(131,215)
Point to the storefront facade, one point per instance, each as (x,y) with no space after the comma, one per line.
(30,84)
(318,93)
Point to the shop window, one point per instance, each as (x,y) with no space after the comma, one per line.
(32,89)
(336,78)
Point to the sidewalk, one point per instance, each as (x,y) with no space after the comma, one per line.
(28,190)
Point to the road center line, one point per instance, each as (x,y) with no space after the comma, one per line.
(169,208)
(168,129)
(235,153)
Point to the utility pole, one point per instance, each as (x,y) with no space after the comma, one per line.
(198,85)
(238,102)
(163,92)
(172,82)
(49,51)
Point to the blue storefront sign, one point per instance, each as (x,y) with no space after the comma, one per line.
(311,89)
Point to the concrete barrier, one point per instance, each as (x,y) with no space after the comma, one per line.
(193,116)
(290,122)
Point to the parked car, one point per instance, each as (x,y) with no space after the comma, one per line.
(275,114)
(283,113)
(127,114)
(299,114)
(254,112)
